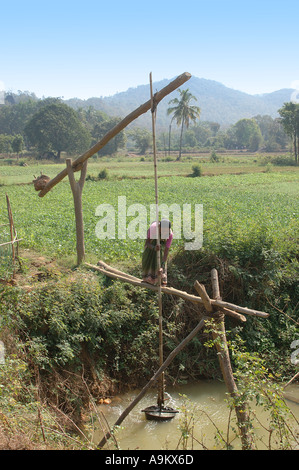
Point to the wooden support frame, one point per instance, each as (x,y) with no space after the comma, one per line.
(215,312)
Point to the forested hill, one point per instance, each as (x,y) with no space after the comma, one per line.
(218,103)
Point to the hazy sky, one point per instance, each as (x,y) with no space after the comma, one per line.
(97,48)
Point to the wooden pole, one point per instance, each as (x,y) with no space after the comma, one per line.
(219,336)
(77,188)
(154,378)
(77,164)
(161,379)
(11,233)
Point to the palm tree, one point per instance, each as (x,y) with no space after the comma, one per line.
(183,112)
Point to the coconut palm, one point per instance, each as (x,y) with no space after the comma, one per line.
(183,112)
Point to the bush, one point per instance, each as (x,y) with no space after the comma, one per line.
(214,157)
(103,174)
(196,169)
(283,160)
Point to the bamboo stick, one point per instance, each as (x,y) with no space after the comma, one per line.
(171,291)
(77,164)
(158,254)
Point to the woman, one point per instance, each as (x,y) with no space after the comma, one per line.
(149,257)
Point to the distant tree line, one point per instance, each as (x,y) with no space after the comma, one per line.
(49,127)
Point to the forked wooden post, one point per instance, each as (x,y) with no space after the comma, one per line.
(77,188)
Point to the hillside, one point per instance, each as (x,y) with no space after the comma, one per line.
(217,102)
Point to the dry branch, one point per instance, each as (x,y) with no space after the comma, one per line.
(77,164)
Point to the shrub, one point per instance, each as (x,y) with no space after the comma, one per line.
(196,169)
(283,160)
(103,174)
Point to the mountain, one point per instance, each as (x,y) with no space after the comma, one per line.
(218,103)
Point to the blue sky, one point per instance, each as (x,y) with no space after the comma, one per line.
(97,48)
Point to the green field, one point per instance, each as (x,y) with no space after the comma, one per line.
(236,207)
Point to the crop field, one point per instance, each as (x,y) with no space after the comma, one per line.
(237,208)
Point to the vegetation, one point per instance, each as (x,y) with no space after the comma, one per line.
(57,128)
(290,121)
(23,116)
(72,336)
(183,112)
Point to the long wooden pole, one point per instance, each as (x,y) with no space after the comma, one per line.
(77,164)
(161,380)
(155,377)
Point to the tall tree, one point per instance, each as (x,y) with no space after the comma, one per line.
(290,120)
(57,127)
(248,134)
(183,112)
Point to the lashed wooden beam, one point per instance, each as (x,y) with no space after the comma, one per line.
(77,164)
(117,274)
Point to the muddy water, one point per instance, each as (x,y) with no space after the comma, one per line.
(206,404)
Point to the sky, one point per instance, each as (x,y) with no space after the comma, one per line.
(93,48)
